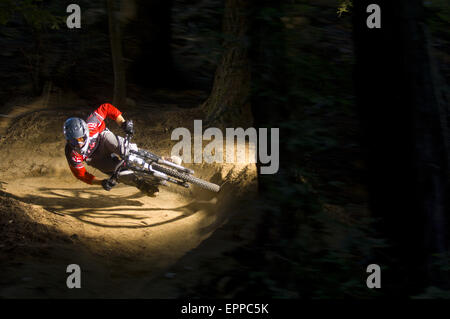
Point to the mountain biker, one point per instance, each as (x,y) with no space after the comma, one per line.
(91,142)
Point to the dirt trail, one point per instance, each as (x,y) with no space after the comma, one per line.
(121,239)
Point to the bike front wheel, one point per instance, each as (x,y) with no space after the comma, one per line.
(187,178)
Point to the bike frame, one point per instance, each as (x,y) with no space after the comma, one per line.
(140,162)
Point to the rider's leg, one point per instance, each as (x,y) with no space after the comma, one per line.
(147,186)
(101,158)
(128,177)
(115,144)
(109,144)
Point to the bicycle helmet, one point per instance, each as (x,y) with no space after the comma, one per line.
(76,133)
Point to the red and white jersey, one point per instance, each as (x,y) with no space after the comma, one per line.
(96,125)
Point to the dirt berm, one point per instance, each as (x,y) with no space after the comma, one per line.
(127,245)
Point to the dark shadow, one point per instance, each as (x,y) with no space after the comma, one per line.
(186,211)
(93,204)
(231,199)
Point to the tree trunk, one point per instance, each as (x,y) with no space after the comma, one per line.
(228,102)
(116,53)
(403,137)
(153,66)
(269,97)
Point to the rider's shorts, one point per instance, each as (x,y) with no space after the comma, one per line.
(106,156)
(103,158)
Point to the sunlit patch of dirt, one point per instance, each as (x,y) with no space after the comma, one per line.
(122,238)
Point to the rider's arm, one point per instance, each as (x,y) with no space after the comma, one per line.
(127,126)
(120,120)
(96,181)
(76,166)
(83,175)
(107,110)
(86,177)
